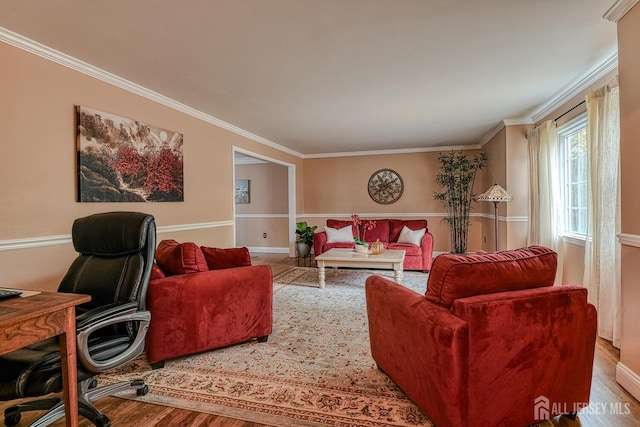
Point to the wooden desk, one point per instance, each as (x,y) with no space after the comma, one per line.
(24,321)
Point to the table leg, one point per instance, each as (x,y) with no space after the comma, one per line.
(69,368)
(321,274)
(397,273)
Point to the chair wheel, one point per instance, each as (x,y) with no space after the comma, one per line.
(103,421)
(12,419)
(142,391)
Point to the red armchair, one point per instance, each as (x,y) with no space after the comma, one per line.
(205,298)
(489,340)
(417,257)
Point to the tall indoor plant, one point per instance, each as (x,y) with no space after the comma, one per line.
(305,238)
(457,175)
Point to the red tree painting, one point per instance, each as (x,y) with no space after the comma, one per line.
(123,160)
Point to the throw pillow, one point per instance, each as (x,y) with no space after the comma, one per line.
(180,258)
(156,272)
(218,258)
(414,237)
(344,234)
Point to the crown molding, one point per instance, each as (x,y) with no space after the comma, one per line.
(65,60)
(503,123)
(393,151)
(619,9)
(584,82)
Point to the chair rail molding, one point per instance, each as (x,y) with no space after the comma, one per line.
(65,239)
(629,239)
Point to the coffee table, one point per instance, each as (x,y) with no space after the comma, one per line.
(390,260)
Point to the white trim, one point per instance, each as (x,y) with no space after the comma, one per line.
(574,239)
(619,9)
(268,250)
(419,215)
(584,82)
(65,239)
(503,123)
(262,216)
(628,379)
(629,239)
(34,242)
(195,226)
(63,59)
(394,151)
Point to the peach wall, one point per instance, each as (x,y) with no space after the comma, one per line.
(506,155)
(496,151)
(629,66)
(268,207)
(337,187)
(38,170)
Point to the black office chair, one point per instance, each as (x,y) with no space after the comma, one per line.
(116,252)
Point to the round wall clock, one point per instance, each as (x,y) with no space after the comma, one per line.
(385,186)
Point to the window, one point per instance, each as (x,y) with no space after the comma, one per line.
(572,139)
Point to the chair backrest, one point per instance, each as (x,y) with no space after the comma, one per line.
(115,257)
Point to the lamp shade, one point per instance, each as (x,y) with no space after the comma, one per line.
(495,194)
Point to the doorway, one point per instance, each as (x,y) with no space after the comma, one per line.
(264,209)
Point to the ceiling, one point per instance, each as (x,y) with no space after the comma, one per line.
(336,76)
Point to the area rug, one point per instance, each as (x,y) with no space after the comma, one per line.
(315,370)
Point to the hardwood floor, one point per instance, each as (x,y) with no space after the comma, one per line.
(605,390)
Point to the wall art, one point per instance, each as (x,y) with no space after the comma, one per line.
(243,191)
(124,160)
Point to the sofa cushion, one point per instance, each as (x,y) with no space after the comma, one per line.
(180,258)
(344,234)
(414,237)
(219,258)
(396,226)
(379,232)
(456,276)
(409,248)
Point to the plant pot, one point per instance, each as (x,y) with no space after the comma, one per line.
(304,249)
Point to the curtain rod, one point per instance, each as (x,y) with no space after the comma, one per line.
(567,112)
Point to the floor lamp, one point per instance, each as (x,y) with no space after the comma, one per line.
(495,194)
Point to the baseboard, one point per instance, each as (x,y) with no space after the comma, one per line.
(628,379)
(270,250)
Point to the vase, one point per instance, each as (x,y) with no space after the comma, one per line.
(304,249)
(362,249)
(377,247)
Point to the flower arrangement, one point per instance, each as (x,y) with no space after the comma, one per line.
(363,226)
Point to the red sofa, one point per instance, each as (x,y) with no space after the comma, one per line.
(489,342)
(417,257)
(203,298)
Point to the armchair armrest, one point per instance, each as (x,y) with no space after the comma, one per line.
(100,317)
(426,244)
(319,240)
(210,309)
(421,346)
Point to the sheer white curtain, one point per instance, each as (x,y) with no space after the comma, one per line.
(602,250)
(545,219)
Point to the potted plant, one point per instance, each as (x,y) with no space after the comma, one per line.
(305,238)
(457,175)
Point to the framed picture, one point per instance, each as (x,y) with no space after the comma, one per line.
(243,191)
(124,160)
